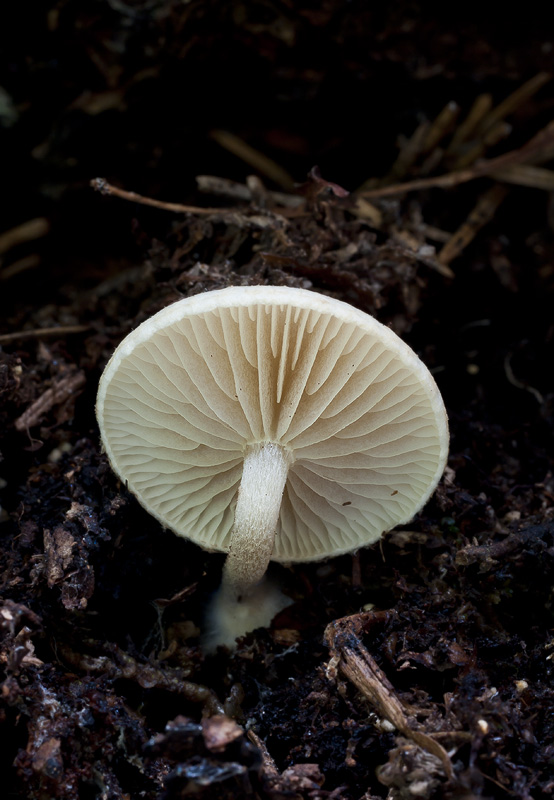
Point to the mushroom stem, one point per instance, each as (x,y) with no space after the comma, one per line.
(261,490)
(245,600)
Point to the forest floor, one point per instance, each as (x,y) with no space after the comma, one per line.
(394,159)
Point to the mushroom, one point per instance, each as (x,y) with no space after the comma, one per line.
(271,423)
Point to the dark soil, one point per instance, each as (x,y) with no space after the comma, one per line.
(422,667)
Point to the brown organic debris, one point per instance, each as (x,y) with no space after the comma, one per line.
(64,389)
(350,657)
(116,663)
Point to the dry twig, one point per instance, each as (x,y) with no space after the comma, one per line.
(356,664)
(212,184)
(57,394)
(101,185)
(261,219)
(488,555)
(259,161)
(31,261)
(481,106)
(42,333)
(441,126)
(539,148)
(482,213)
(515,100)
(26,232)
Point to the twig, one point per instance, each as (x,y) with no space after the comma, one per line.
(27,231)
(253,158)
(487,125)
(211,184)
(527,175)
(482,213)
(261,219)
(515,100)
(442,124)
(268,764)
(101,185)
(481,106)
(355,662)
(491,137)
(369,211)
(405,159)
(537,149)
(31,261)
(488,555)
(57,394)
(41,333)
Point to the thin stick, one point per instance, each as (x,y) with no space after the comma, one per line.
(234,144)
(40,333)
(515,100)
(268,764)
(537,148)
(102,186)
(31,261)
(262,219)
(210,184)
(527,175)
(441,125)
(407,155)
(481,106)
(64,388)
(492,136)
(482,213)
(343,636)
(32,229)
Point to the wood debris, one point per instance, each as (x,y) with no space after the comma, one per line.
(64,388)
(351,658)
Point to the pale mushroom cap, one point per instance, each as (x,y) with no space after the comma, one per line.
(357,412)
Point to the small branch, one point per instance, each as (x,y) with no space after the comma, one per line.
(515,100)
(441,126)
(488,555)
(527,175)
(259,161)
(356,664)
(539,148)
(481,106)
(404,161)
(42,333)
(269,768)
(480,215)
(31,261)
(211,184)
(490,138)
(61,391)
(260,219)
(26,232)
(101,185)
